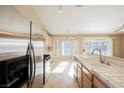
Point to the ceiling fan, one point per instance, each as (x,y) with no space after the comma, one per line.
(120,29)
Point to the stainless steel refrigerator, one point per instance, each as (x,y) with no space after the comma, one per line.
(35,52)
(20,39)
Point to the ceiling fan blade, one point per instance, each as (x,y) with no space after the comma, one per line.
(122,27)
(116,27)
(119,27)
(117,30)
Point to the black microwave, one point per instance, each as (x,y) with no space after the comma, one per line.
(14,72)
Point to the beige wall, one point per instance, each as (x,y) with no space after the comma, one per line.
(12,20)
(118,42)
(123,45)
(118,46)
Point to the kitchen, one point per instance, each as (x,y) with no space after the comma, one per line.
(79,45)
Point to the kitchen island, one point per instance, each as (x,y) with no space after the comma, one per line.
(89,73)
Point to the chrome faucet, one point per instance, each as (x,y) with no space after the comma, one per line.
(100,54)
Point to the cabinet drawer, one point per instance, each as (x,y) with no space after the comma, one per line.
(97,83)
(88,73)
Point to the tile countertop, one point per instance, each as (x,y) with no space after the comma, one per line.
(112,75)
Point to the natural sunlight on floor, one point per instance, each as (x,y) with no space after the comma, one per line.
(60,67)
(63,64)
(58,70)
(62,75)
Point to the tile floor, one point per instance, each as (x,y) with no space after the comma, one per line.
(38,81)
(62,76)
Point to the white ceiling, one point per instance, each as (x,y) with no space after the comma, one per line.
(81,20)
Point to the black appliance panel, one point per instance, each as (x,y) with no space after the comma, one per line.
(14,72)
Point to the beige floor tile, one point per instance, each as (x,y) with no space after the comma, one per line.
(60,76)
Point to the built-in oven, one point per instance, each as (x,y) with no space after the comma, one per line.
(14,72)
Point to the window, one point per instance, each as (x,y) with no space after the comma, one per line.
(65,47)
(58,47)
(104,44)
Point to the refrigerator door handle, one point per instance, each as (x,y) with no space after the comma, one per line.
(32,62)
(30,66)
(33,65)
(31,69)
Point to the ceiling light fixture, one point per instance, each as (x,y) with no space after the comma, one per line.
(60,9)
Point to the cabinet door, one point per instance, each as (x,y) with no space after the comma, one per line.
(87,83)
(88,73)
(45,35)
(97,83)
(50,42)
(79,77)
(75,70)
